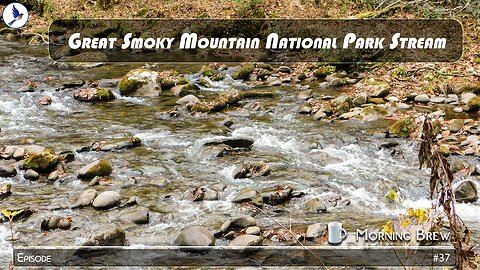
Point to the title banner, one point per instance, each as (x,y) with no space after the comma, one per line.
(255,40)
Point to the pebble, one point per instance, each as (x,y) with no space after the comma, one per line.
(188,99)
(254,230)
(275,83)
(284,69)
(85,199)
(315,230)
(244,222)
(403,106)
(31,175)
(437,99)
(246,240)
(393,99)
(106,200)
(195,236)
(458,109)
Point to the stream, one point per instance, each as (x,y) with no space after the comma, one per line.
(317,158)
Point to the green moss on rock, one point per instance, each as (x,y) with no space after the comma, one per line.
(324,71)
(473,104)
(129,85)
(374,110)
(474,88)
(43,162)
(97,168)
(228,99)
(182,81)
(403,127)
(243,72)
(207,72)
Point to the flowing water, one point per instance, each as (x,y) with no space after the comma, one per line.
(317,158)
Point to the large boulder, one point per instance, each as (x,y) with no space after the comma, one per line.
(93,94)
(374,87)
(96,168)
(466,192)
(43,162)
(195,236)
(106,200)
(140,82)
(403,127)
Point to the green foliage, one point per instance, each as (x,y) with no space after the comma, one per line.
(249,9)
(400,72)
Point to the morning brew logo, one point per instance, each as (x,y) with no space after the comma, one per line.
(15,15)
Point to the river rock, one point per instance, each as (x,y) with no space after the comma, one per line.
(5,191)
(188,99)
(195,236)
(53,176)
(243,72)
(252,170)
(284,69)
(34,149)
(31,175)
(64,223)
(214,151)
(437,99)
(140,82)
(374,87)
(403,127)
(140,216)
(278,195)
(56,222)
(254,230)
(93,94)
(315,205)
(106,200)
(7,170)
(85,199)
(465,97)
(19,153)
(246,240)
(43,162)
(110,237)
(8,151)
(466,192)
(315,230)
(422,98)
(232,142)
(249,196)
(456,125)
(184,90)
(319,115)
(244,222)
(96,168)
(204,194)
(403,106)
(473,104)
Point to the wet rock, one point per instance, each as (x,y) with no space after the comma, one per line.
(7,171)
(185,90)
(360,100)
(96,168)
(437,99)
(31,175)
(16,214)
(43,162)
(451,98)
(403,127)
(67,156)
(232,142)
(324,71)
(473,104)
(110,237)
(403,106)
(315,205)
(85,199)
(72,83)
(204,194)
(275,83)
(315,230)
(195,236)
(140,216)
(53,176)
(306,94)
(284,69)
(305,110)
(5,191)
(319,115)
(254,230)
(8,151)
(130,202)
(34,149)
(45,101)
(243,222)
(466,192)
(341,108)
(249,196)
(422,98)
(19,153)
(93,94)
(188,99)
(374,87)
(252,170)
(211,152)
(246,240)
(456,125)
(140,82)
(277,195)
(106,200)
(243,72)
(465,97)
(458,109)
(56,222)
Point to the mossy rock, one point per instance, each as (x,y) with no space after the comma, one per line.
(217,77)
(43,162)
(444,150)
(207,72)
(182,81)
(142,82)
(264,66)
(474,88)
(96,168)
(403,127)
(473,104)
(341,108)
(374,110)
(93,94)
(324,71)
(243,72)
(228,99)
(374,87)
